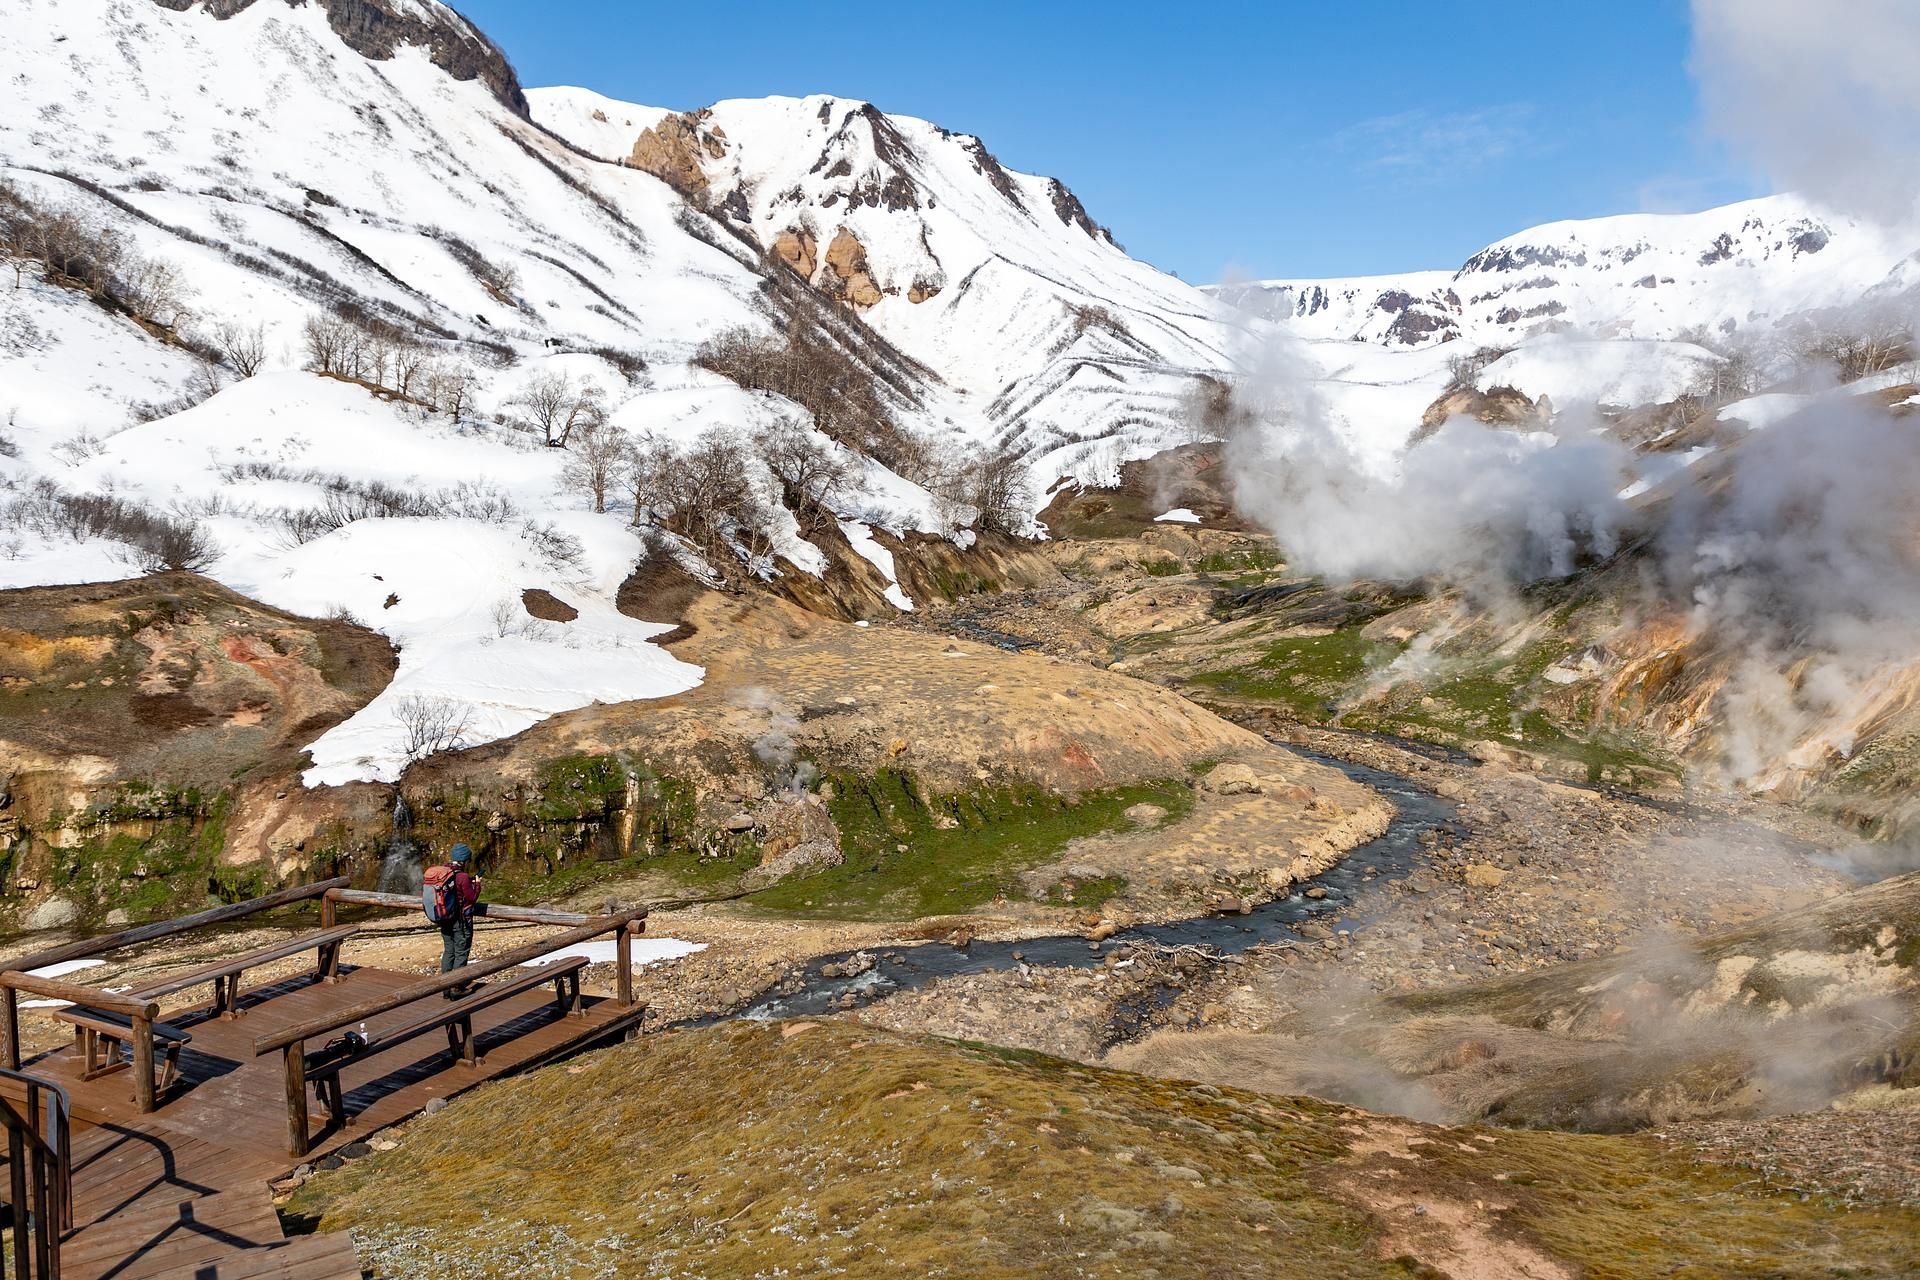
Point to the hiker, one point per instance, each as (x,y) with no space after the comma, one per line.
(450,893)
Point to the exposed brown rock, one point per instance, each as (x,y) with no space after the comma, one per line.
(847,277)
(672,151)
(799,250)
(921,290)
(1496,406)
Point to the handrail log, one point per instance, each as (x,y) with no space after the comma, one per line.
(84,948)
(93,997)
(489,910)
(433,986)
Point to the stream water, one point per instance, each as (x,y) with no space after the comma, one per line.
(1350,893)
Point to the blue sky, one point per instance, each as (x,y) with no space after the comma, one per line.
(1218,140)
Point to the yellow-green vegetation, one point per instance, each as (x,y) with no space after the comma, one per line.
(751,1150)
(910,854)
(1308,673)
(584,820)
(149,851)
(1467,690)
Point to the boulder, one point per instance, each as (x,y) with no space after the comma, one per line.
(1483,875)
(1233,780)
(54,913)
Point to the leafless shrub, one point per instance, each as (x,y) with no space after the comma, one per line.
(154,541)
(499,279)
(478,500)
(810,371)
(432,725)
(631,364)
(1464,368)
(560,550)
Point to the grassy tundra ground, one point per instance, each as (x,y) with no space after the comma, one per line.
(752,1150)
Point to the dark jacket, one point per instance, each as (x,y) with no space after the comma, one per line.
(466,891)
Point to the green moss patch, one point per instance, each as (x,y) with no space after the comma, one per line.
(910,854)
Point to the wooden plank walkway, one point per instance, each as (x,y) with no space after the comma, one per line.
(183,1191)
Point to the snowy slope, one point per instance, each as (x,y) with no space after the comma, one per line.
(1635,275)
(1045,333)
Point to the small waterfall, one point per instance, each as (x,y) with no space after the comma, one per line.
(400,868)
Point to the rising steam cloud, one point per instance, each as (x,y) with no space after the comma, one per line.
(1793,555)
(1823,100)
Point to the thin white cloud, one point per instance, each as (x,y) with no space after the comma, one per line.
(1424,144)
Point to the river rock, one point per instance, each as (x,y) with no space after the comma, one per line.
(1483,875)
(1145,815)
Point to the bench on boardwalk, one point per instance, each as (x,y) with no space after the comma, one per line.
(102,1035)
(323,1066)
(338,1053)
(225,974)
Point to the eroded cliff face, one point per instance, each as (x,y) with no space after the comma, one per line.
(673,150)
(375,28)
(151,738)
(846,276)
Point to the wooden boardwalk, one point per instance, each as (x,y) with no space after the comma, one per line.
(230,1097)
(183,1190)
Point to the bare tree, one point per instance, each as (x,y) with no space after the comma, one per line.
(812,474)
(990,492)
(243,347)
(554,406)
(329,342)
(432,725)
(447,387)
(155,290)
(706,494)
(598,455)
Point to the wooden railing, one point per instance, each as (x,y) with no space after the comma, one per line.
(36,1115)
(16,978)
(291,1041)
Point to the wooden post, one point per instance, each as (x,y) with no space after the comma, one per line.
(143,1064)
(297,1098)
(46,1236)
(623,963)
(10,1026)
(17,1168)
(327,909)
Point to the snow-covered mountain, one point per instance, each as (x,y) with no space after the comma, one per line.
(999,281)
(1633,276)
(249,166)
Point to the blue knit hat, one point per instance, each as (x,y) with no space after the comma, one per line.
(459,855)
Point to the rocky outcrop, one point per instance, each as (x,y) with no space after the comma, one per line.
(846,276)
(1496,406)
(376,28)
(799,250)
(675,151)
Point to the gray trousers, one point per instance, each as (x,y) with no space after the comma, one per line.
(456,940)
